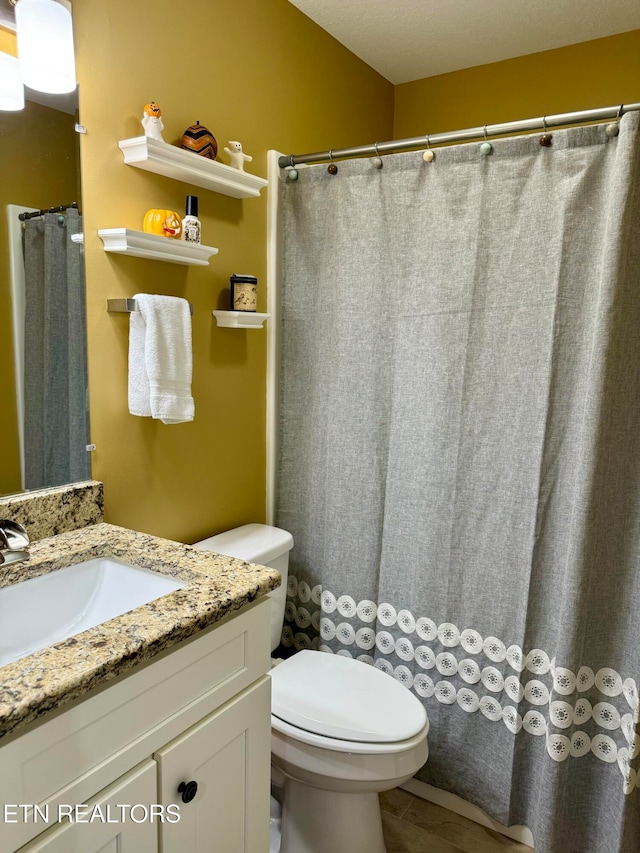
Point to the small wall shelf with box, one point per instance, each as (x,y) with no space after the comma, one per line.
(240,319)
(173,162)
(154,247)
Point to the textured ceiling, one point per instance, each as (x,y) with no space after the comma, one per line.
(409,39)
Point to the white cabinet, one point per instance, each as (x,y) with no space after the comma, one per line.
(108,835)
(197,712)
(224,756)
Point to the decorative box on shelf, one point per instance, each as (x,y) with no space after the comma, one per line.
(143,245)
(240,319)
(173,162)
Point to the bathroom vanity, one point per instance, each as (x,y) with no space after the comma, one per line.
(149,732)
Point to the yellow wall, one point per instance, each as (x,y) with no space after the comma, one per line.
(249,70)
(38,150)
(593,74)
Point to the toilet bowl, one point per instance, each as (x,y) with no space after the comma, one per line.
(341,731)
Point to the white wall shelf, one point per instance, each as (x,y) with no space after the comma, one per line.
(173,162)
(154,247)
(240,319)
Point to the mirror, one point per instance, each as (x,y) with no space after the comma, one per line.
(44,420)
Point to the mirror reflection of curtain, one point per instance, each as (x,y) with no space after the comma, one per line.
(56,412)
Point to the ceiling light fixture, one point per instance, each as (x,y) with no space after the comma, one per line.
(11,88)
(45,46)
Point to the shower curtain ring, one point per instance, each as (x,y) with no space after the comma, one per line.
(546,138)
(292,174)
(613,129)
(377,160)
(485,147)
(428,155)
(332,168)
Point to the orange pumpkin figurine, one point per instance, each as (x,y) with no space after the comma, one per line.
(166,223)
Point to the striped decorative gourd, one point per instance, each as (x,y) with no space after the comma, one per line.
(200,140)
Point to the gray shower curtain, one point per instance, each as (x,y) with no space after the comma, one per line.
(460,460)
(56,418)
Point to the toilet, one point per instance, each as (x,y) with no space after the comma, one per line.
(341,730)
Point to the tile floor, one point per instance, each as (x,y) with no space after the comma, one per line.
(412,825)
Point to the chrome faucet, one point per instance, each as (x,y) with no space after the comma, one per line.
(14,542)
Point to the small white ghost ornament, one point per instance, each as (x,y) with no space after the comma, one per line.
(237,157)
(152,121)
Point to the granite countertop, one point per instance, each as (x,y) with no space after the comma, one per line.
(55,676)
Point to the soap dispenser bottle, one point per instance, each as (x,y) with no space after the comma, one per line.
(191,227)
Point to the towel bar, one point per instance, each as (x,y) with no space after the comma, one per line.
(127,306)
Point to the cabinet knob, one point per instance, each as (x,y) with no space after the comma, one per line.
(188,790)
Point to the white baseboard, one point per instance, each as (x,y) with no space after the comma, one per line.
(462,807)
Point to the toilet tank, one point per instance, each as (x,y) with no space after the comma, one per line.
(262,544)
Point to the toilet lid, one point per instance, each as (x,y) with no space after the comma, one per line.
(343,698)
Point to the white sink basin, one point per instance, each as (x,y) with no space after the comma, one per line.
(36,613)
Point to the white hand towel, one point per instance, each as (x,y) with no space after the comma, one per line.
(160,359)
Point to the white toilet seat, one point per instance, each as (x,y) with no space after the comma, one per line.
(360,747)
(343,699)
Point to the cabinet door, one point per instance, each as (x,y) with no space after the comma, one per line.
(228,756)
(101,836)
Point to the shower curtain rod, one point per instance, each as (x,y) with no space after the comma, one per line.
(60,209)
(531,124)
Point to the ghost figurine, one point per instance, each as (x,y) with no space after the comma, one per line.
(236,155)
(152,121)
